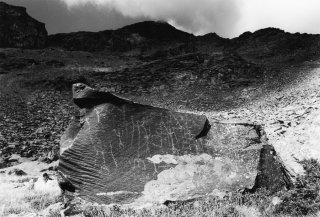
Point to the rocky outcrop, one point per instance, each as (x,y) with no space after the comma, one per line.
(276,45)
(18,29)
(118,151)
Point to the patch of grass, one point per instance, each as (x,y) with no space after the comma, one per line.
(39,201)
(235,204)
(21,179)
(304,198)
(18,199)
(29,202)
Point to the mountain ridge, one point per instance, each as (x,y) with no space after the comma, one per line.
(158,39)
(147,35)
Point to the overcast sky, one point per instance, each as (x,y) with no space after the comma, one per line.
(228,18)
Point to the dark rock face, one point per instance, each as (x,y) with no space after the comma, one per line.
(18,29)
(117,151)
(272,174)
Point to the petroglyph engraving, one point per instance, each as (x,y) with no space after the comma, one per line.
(116,147)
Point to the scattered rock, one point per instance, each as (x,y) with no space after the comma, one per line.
(28,132)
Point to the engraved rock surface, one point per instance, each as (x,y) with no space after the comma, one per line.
(118,151)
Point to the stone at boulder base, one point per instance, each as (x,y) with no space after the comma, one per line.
(118,151)
(45,184)
(17,172)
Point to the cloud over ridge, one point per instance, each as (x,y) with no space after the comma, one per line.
(199,16)
(227,18)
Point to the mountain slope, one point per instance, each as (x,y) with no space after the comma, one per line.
(139,35)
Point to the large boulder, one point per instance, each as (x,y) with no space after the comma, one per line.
(118,151)
(18,29)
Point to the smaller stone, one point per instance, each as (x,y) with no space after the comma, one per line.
(14,157)
(162,87)
(217,193)
(274,202)
(13,145)
(47,185)
(213,81)
(53,208)
(30,184)
(29,153)
(17,172)
(42,159)
(2,162)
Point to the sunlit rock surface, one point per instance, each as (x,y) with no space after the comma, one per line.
(300,143)
(117,151)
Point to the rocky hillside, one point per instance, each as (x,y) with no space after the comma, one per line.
(18,29)
(268,78)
